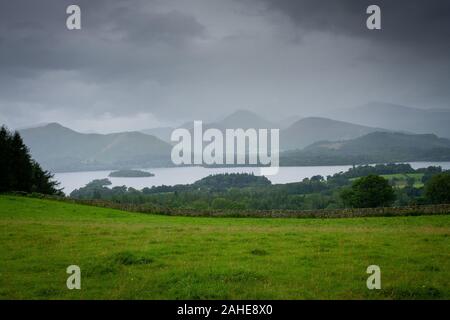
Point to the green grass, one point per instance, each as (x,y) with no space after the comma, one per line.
(136,256)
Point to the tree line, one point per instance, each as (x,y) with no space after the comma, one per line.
(357,188)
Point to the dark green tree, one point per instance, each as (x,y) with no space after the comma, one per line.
(21,166)
(437,188)
(18,171)
(369,192)
(5,160)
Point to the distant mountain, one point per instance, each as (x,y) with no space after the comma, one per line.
(243,119)
(297,135)
(376,147)
(239,119)
(309,130)
(58,148)
(398,118)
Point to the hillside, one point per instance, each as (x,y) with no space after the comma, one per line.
(376,147)
(162,133)
(58,148)
(398,118)
(294,133)
(326,142)
(126,255)
(309,130)
(384,141)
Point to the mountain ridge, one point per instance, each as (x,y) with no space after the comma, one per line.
(59,148)
(375,147)
(312,129)
(397,118)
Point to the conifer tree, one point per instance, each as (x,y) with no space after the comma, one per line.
(18,171)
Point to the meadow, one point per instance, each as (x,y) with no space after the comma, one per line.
(125,255)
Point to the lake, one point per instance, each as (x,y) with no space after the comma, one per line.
(186,175)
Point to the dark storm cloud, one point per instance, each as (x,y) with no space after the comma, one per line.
(137,63)
(418,24)
(33,34)
(122,45)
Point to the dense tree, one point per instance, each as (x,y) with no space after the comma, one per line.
(369,192)
(437,188)
(18,171)
(231,180)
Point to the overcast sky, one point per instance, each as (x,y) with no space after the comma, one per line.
(142,64)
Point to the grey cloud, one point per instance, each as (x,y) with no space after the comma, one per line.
(423,25)
(180,59)
(123,45)
(34,36)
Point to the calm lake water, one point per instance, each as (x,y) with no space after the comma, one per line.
(185,175)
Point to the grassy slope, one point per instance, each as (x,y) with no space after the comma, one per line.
(126,255)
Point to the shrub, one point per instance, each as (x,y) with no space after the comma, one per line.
(369,192)
(437,189)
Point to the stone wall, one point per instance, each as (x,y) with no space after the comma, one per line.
(439,209)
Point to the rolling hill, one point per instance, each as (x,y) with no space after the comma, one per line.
(58,148)
(324,142)
(295,134)
(375,147)
(309,130)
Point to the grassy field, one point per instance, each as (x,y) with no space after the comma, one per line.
(137,256)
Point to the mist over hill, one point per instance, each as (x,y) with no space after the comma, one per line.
(397,118)
(376,147)
(244,119)
(162,133)
(58,148)
(238,119)
(309,130)
(295,133)
(308,141)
